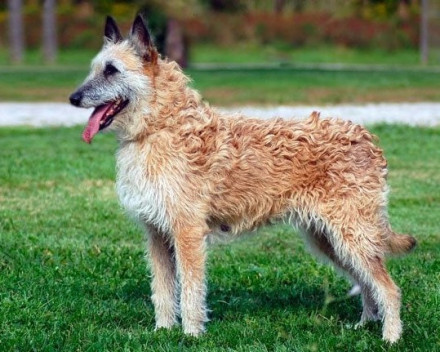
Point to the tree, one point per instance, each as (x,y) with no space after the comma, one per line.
(279,6)
(424,33)
(16,37)
(49,31)
(226,5)
(175,46)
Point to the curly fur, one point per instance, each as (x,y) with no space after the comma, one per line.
(184,170)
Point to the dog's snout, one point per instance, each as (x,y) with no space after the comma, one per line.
(75,98)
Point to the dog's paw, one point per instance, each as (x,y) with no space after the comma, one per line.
(194,330)
(165,324)
(391,337)
(392,332)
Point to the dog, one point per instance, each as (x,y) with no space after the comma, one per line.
(186,171)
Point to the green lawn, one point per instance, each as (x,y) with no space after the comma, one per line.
(315,86)
(280,52)
(283,85)
(73,275)
(287,79)
(245,53)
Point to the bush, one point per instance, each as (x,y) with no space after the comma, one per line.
(78,28)
(303,29)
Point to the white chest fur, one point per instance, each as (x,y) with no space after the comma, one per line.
(143,196)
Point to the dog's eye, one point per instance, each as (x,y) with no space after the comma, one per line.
(110,70)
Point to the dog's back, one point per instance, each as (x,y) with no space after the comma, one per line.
(265,169)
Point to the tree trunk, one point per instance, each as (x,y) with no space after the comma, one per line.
(16,37)
(175,45)
(279,6)
(298,5)
(49,31)
(424,49)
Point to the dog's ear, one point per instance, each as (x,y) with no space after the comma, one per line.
(111,31)
(141,38)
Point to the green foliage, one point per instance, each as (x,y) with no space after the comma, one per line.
(383,9)
(230,6)
(73,274)
(103,6)
(369,24)
(157,23)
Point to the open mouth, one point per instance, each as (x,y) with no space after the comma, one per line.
(102,117)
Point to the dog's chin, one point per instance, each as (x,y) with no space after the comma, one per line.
(103,116)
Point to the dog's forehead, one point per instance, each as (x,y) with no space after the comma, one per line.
(121,55)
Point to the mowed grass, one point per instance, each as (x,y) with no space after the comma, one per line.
(251,52)
(73,275)
(315,86)
(286,80)
(283,85)
(285,53)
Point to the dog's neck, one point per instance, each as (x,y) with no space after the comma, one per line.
(170,103)
(172,92)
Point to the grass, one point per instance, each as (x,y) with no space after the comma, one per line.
(253,53)
(73,276)
(314,86)
(283,85)
(280,52)
(245,53)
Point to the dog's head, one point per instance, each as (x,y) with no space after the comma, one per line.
(118,80)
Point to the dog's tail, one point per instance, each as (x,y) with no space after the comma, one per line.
(400,244)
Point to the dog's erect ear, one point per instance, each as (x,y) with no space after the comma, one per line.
(111,31)
(141,38)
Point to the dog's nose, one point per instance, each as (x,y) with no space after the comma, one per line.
(75,98)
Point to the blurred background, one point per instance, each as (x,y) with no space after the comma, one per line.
(273,51)
(194,31)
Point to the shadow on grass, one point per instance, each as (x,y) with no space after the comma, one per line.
(299,298)
(237,302)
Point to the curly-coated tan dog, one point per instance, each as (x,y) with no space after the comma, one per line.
(186,171)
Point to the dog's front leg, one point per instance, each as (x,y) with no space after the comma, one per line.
(164,283)
(190,247)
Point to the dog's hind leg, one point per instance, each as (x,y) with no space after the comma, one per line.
(317,238)
(385,292)
(164,283)
(190,247)
(359,247)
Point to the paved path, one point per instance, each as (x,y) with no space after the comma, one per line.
(61,114)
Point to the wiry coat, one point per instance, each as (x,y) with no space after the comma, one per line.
(240,171)
(185,171)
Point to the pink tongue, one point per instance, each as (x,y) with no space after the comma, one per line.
(92,127)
